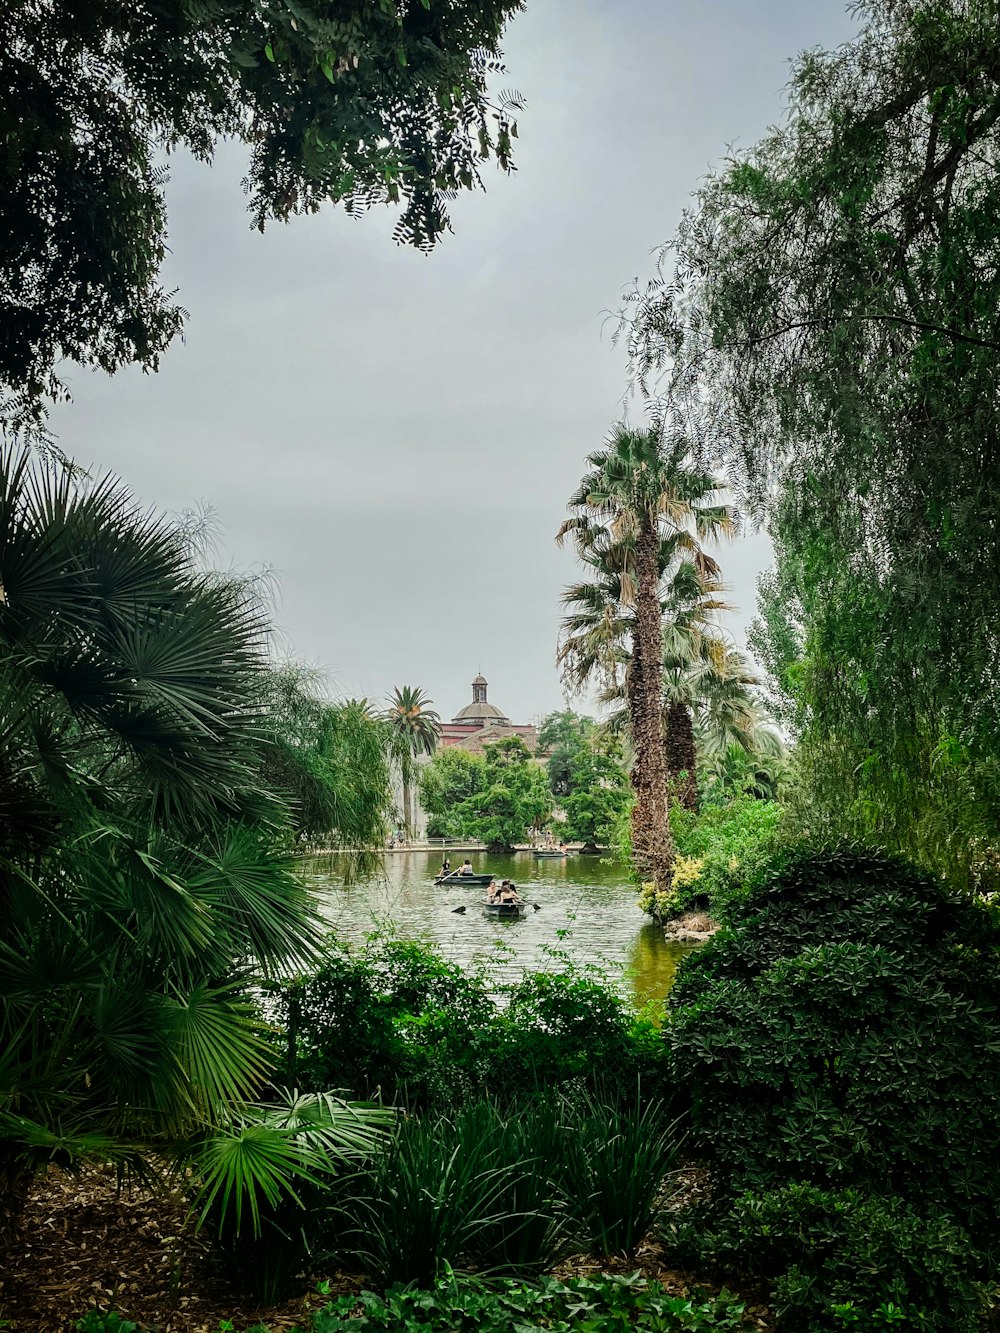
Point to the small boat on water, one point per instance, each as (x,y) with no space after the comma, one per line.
(505,911)
(549,851)
(455,878)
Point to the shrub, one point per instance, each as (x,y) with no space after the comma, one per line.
(842,1259)
(508,1190)
(561,1026)
(450,1190)
(400,1021)
(618,1156)
(393,1020)
(604,1303)
(720,849)
(845,1031)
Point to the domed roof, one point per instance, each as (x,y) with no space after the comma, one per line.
(480,680)
(479,709)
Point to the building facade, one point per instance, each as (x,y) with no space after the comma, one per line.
(479,723)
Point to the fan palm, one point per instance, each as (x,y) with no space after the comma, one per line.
(139,889)
(640,508)
(709,694)
(417,727)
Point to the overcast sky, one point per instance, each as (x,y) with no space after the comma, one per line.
(395,435)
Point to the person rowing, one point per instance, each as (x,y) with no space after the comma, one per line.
(466,867)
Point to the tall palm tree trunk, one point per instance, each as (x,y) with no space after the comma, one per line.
(680,755)
(651,841)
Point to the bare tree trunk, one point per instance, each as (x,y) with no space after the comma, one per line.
(651,842)
(682,772)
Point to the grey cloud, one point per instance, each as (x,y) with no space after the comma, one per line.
(396,435)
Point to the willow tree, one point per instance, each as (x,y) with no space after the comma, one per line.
(833,303)
(641,505)
(417,728)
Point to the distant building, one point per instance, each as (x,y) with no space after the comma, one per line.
(480,723)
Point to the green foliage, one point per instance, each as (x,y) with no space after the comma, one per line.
(509,1190)
(398,1021)
(449,1190)
(599,792)
(499,796)
(608,1304)
(563,736)
(452,776)
(141,892)
(844,1031)
(330,762)
(513,798)
(358,104)
(618,1158)
(831,326)
(415,727)
(101,1321)
(842,1259)
(640,511)
(725,846)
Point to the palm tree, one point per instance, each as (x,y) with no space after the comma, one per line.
(709,698)
(640,508)
(417,727)
(140,892)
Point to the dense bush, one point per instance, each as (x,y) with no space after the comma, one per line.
(844,1259)
(395,1019)
(721,848)
(844,1031)
(604,1303)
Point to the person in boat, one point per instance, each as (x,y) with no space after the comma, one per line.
(445,867)
(466,867)
(509,893)
(493,892)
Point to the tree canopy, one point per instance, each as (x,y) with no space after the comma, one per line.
(830,309)
(498,797)
(358,104)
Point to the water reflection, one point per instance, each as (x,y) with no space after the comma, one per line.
(586,912)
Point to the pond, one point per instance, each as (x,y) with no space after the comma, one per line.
(586,911)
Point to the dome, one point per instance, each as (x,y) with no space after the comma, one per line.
(480,680)
(479,710)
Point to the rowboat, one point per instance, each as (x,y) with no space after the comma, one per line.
(455,878)
(505,911)
(542,851)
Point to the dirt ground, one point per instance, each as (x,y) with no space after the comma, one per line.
(85,1244)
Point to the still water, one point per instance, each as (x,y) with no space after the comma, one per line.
(586,911)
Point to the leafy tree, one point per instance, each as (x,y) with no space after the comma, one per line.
(140,888)
(640,499)
(515,797)
(329,762)
(417,727)
(563,736)
(356,104)
(452,777)
(598,793)
(832,317)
